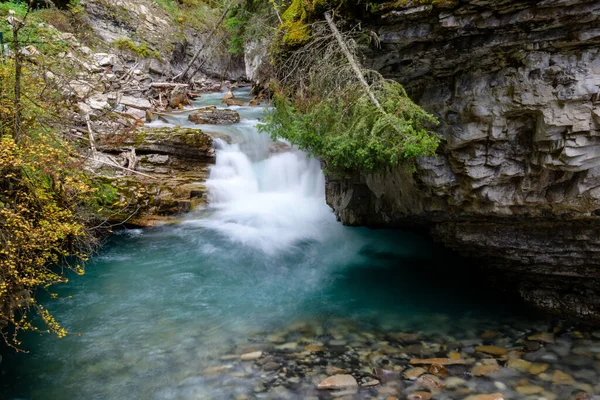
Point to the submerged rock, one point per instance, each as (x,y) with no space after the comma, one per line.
(255,355)
(338,382)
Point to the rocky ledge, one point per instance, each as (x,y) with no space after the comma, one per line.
(516,185)
(164,170)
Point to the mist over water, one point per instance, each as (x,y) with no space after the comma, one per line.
(157,306)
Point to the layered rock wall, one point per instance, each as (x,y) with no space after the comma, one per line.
(516,87)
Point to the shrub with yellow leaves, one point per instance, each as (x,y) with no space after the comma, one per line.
(47,203)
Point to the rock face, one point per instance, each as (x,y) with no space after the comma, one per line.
(516,87)
(171,165)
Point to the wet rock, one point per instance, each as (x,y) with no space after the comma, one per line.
(438,370)
(483,370)
(541,355)
(430,382)
(386,375)
(228,95)
(519,364)
(439,361)
(214,116)
(215,370)
(581,396)
(387,391)
(537,368)
(454,382)
(314,348)
(370,382)
(338,382)
(544,337)
(458,370)
(271,366)
(332,370)
(532,345)
(493,396)
(233,102)
(528,390)
(179,97)
(413,373)
(493,350)
(291,346)
(251,356)
(561,378)
(419,396)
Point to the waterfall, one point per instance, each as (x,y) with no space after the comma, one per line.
(271,203)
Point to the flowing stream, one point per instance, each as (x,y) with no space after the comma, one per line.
(158,308)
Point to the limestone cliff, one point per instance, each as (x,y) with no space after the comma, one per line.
(516,86)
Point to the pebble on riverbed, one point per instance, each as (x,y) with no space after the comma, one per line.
(344,361)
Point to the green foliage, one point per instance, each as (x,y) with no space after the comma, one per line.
(194,14)
(44,26)
(236,22)
(348,131)
(141,50)
(19,7)
(45,199)
(296,30)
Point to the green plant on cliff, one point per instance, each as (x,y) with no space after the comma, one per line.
(349,116)
(141,50)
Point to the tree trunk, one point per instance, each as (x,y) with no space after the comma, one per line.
(352,61)
(18,72)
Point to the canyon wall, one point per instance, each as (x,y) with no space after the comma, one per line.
(516,184)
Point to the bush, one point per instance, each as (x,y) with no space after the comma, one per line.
(347,131)
(46,200)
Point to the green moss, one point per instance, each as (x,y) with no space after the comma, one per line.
(141,50)
(296,30)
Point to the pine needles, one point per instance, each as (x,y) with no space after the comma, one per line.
(323,106)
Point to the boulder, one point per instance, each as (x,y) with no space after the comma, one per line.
(179,97)
(214,116)
(233,102)
(179,142)
(130,101)
(104,59)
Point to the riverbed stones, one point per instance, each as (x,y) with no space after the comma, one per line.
(492,396)
(561,378)
(485,369)
(438,361)
(413,373)
(420,395)
(386,375)
(528,389)
(544,337)
(438,370)
(430,382)
(493,350)
(255,355)
(342,381)
(216,370)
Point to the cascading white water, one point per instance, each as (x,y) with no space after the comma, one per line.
(271,203)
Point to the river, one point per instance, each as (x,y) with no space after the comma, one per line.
(164,313)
